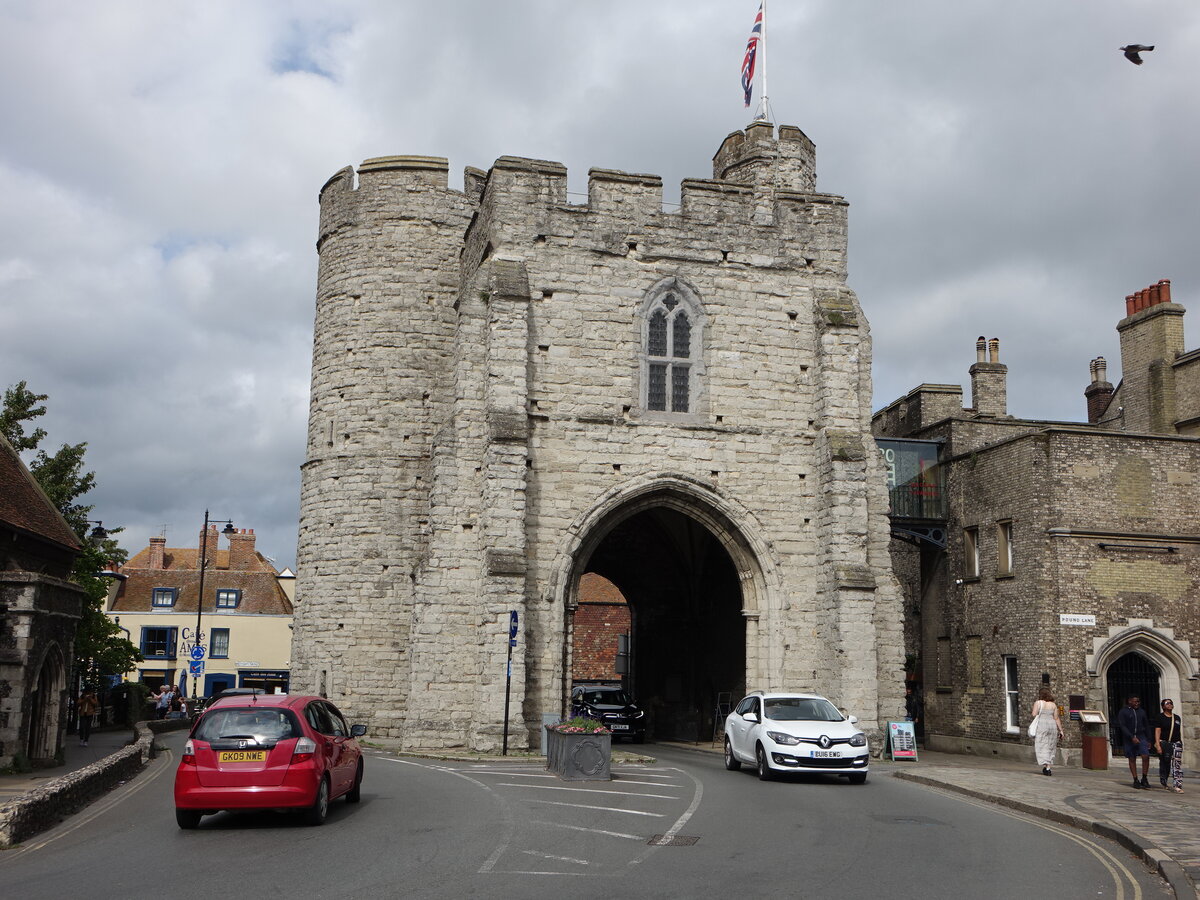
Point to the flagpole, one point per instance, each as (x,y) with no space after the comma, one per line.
(764,112)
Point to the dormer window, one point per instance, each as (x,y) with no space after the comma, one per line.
(163,598)
(228,599)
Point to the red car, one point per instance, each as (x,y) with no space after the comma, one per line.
(268,751)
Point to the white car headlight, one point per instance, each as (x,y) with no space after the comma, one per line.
(859,740)
(780,738)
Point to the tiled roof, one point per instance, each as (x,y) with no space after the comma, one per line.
(25,506)
(260,589)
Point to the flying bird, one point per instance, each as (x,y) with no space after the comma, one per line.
(1132,51)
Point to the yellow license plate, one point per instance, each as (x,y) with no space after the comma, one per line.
(242,756)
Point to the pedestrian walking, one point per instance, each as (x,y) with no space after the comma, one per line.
(1168,744)
(87,707)
(1135,731)
(1048,731)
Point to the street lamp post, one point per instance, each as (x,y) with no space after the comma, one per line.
(228,530)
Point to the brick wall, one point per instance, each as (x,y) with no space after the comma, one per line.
(601,616)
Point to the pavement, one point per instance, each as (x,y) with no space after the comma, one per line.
(1161,827)
(101,744)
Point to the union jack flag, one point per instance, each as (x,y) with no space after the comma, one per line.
(751,53)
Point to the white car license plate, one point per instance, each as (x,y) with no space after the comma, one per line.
(825,754)
(619,727)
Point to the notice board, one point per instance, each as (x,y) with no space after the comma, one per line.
(901,740)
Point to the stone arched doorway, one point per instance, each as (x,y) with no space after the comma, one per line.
(691,583)
(45,708)
(1139,658)
(1129,675)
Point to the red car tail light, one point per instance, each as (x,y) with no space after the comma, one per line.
(189,754)
(304,750)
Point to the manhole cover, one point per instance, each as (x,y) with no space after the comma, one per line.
(675,840)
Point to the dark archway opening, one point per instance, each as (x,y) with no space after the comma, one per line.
(687,633)
(1132,674)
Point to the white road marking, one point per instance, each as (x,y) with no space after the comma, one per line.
(612,809)
(655,783)
(491,861)
(570,859)
(679,823)
(547,787)
(616,834)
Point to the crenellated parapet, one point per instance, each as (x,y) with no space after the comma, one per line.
(761,159)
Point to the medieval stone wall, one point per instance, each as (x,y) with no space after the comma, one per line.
(479,409)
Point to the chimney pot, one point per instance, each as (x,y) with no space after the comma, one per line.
(981,349)
(1164,288)
(994,350)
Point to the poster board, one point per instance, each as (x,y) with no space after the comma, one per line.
(901,740)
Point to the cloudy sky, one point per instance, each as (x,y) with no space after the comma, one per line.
(1009,174)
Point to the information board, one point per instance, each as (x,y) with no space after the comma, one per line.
(902,740)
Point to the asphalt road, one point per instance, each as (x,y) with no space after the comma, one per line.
(428,828)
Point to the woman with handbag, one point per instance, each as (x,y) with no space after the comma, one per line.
(1045,729)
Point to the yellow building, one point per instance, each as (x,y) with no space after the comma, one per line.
(244,621)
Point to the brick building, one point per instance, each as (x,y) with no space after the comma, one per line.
(1056,553)
(39,611)
(600,622)
(512,390)
(245,621)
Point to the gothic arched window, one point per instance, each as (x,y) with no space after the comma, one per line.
(670,353)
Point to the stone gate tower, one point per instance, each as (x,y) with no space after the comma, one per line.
(511,389)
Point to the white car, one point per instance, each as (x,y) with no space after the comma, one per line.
(786,732)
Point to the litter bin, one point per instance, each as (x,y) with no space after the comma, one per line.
(1095,738)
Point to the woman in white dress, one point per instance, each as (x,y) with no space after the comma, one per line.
(1049,729)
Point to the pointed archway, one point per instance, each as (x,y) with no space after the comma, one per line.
(45,708)
(692,584)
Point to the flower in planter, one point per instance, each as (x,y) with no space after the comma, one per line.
(579,725)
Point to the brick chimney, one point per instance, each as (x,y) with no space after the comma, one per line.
(1151,339)
(1099,392)
(989,379)
(210,549)
(242,557)
(158,546)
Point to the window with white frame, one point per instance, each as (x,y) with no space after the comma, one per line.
(970,553)
(1004,548)
(672,330)
(1012,712)
(163,597)
(228,599)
